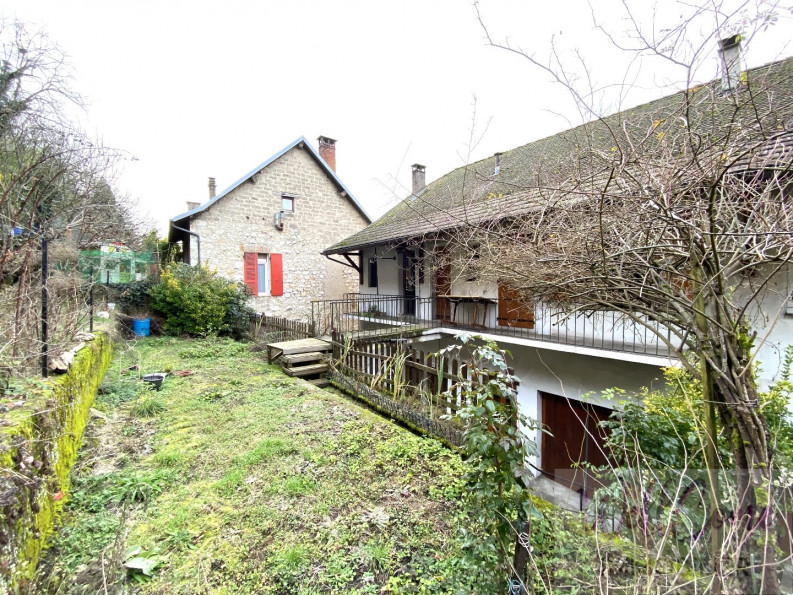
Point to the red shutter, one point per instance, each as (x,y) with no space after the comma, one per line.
(250,271)
(276,274)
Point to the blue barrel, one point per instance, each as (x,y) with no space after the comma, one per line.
(140,326)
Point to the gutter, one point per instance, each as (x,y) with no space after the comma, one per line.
(194,234)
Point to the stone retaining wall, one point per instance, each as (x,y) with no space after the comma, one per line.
(39,442)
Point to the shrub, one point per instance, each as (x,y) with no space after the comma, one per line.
(198,302)
(130,298)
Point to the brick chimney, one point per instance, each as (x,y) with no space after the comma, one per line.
(327,150)
(211,188)
(418,178)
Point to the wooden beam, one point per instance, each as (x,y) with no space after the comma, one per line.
(350,262)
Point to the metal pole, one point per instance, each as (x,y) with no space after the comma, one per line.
(91,302)
(44,314)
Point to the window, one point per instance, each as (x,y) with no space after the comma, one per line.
(263,273)
(287,202)
(373,272)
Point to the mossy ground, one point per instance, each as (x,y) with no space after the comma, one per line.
(239,479)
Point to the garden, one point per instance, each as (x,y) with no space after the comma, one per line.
(235,478)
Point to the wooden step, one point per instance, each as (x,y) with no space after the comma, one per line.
(277,350)
(296,358)
(306,370)
(320,382)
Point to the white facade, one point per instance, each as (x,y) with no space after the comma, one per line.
(603,335)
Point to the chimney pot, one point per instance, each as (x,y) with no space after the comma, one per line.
(327,150)
(730,53)
(211,188)
(419,178)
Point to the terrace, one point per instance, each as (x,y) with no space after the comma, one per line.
(370,316)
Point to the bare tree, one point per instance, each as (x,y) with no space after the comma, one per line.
(54,178)
(676,214)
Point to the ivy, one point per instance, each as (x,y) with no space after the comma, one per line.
(497,447)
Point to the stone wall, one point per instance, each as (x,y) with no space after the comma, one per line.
(242,221)
(38,446)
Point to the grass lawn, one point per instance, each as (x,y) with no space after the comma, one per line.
(238,479)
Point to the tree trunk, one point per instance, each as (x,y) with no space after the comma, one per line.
(749,440)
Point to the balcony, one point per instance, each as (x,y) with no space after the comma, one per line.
(373,316)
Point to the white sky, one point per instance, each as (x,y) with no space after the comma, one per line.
(194,89)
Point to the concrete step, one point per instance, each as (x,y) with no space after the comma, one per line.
(311,356)
(306,370)
(320,382)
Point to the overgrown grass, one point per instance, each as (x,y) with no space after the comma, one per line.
(238,479)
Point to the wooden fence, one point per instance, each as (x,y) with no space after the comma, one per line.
(272,329)
(421,374)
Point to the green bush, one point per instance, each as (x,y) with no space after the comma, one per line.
(198,302)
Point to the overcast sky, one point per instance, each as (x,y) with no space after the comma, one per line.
(197,89)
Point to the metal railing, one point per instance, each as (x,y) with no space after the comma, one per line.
(363,315)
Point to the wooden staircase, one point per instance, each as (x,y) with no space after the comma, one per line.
(304,358)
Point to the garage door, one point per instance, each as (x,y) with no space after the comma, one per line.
(576,438)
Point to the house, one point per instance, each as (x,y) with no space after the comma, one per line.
(269,227)
(429,262)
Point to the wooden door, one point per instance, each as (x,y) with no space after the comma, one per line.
(575,437)
(443,283)
(514,311)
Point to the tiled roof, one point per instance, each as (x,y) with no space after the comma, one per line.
(563,165)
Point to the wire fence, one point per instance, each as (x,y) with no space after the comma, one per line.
(49,297)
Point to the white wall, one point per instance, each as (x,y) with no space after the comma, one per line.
(773,320)
(571,375)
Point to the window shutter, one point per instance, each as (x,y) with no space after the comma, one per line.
(512,310)
(250,273)
(276,274)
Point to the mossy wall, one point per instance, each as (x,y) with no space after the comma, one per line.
(38,446)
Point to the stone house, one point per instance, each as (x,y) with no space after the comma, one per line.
(269,227)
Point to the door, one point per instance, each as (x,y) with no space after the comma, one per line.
(443,283)
(575,437)
(409,281)
(512,310)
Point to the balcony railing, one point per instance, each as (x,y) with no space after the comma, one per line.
(371,315)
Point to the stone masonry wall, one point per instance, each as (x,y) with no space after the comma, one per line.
(38,446)
(242,221)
